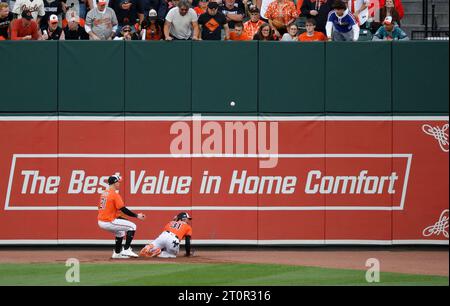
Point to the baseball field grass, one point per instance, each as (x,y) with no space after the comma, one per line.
(201,275)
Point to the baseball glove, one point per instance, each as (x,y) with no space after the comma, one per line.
(278,24)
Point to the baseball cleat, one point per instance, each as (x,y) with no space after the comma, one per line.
(129,252)
(119,256)
(155,252)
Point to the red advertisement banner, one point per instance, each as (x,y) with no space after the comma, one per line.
(245,180)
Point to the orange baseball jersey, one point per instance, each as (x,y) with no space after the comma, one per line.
(243,36)
(179,228)
(318,36)
(109,206)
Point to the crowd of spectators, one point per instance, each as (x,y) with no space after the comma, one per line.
(274,20)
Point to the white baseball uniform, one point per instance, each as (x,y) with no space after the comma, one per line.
(169,243)
(119,227)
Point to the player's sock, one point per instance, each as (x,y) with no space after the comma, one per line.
(118,247)
(130,236)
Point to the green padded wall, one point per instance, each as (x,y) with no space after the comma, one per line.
(420,76)
(204,77)
(223,72)
(358,77)
(91,76)
(158,76)
(291,77)
(28,76)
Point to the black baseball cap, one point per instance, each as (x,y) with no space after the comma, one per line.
(27,14)
(253,9)
(114,179)
(183,215)
(213,5)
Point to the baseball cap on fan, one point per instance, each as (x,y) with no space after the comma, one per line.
(102,1)
(72,16)
(53,19)
(213,5)
(387,20)
(26,14)
(152,14)
(253,9)
(114,179)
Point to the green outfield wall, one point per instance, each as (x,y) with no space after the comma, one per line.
(204,77)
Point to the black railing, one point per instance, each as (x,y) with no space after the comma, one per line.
(434,24)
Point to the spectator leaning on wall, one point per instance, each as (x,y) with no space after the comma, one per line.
(101,22)
(74,30)
(127,33)
(341,24)
(390,31)
(52,31)
(238,32)
(181,23)
(6,18)
(25,28)
(311,34)
(291,34)
(265,32)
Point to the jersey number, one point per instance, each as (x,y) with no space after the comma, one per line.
(102,203)
(176,225)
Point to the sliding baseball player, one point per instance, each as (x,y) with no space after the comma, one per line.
(167,245)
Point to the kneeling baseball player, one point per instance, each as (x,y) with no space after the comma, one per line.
(167,245)
(109,210)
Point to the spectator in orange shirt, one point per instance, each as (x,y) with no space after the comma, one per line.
(311,34)
(281,13)
(251,27)
(201,8)
(238,33)
(25,28)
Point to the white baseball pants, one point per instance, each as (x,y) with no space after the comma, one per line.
(168,243)
(119,227)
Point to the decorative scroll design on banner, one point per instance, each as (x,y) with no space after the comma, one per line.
(439,227)
(440,134)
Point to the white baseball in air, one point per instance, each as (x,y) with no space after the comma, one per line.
(232,103)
